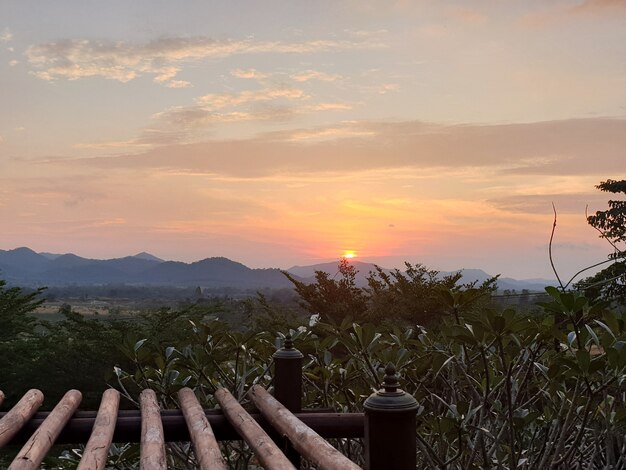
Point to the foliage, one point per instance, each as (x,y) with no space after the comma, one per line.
(332,299)
(15,307)
(16,331)
(610,283)
(496,389)
(412,296)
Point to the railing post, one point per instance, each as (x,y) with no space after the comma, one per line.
(288,388)
(288,376)
(390,426)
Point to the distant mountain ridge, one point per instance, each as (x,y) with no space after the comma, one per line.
(468,275)
(26,267)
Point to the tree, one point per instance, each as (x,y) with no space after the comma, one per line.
(610,283)
(17,335)
(15,309)
(410,296)
(332,299)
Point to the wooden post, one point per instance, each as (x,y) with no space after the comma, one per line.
(13,421)
(152,447)
(97,448)
(288,389)
(390,427)
(34,451)
(288,376)
(206,447)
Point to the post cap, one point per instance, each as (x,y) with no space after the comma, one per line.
(390,397)
(288,351)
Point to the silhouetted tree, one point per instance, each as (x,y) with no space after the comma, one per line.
(610,283)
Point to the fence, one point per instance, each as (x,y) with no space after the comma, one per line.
(279,433)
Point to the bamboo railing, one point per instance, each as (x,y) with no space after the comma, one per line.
(388,426)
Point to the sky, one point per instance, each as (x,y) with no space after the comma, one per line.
(284,133)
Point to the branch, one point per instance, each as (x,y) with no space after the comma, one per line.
(587,268)
(550,249)
(602,233)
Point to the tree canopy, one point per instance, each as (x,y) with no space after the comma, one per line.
(610,283)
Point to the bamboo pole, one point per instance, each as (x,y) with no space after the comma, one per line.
(206,447)
(267,452)
(97,448)
(13,421)
(152,447)
(41,441)
(307,442)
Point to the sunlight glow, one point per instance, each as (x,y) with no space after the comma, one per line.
(349,254)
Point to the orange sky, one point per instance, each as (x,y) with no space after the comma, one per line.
(288,133)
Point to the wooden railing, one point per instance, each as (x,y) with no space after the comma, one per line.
(278,435)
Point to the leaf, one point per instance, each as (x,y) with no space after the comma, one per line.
(140,343)
(553,292)
(445,363)
(499,324)
(593,335)
(168,351)
(606,328)
(571,336)
(328,357)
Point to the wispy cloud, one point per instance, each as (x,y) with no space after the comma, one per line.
(551,14)
(74,59)
(572,203)
(6,36)
(571,147)
(251,74)
(308,75)
(599,6)
(224,100)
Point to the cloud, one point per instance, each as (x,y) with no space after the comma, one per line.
(599,7)
(613,9)
(13,63)
(214,101)
(178,84)
(308,75)
(249,74)
(74,59)
(6,36)
(248,105)
(565,203)
(569,147)
(328,107)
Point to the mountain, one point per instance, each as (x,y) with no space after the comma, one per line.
(24,266)
(22,258)
(147,256)
(468,275)
(332,268)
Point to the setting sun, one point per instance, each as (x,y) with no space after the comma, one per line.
(349,254)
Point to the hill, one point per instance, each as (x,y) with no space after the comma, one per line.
(26,267)
(468,275)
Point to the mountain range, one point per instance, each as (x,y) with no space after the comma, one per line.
(23,266)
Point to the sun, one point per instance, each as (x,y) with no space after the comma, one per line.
(349,254)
